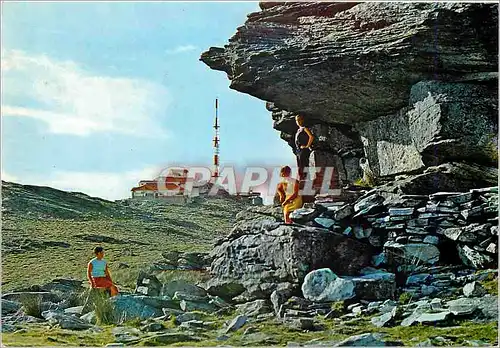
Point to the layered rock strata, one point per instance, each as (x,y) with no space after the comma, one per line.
(409,86)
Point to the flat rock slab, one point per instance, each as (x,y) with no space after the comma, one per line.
(404,253)
(255,260)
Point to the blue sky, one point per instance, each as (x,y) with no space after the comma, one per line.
(96,96)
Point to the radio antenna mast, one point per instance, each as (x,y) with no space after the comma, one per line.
(216,140)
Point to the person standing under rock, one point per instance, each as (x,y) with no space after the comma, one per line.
(303,142)
(288,191)
(98,272)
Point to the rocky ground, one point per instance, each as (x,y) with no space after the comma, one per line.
(267,283)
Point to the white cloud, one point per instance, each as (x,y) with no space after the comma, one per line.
(181,49)
(71,100)
(107,185)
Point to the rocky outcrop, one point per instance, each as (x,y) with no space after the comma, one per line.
(349,62)
(409,86)
(447,122)
(258,258)
(325,251)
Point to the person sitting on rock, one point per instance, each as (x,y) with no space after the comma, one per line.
(303,142)
(288,191)
(98,272)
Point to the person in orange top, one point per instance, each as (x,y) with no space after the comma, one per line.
(288,191)
(98,272)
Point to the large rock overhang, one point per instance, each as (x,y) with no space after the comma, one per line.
(345,63)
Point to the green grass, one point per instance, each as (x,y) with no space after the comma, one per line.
(102,307)
(362,182)
(458,334)
(139,240)
(491,286)
(32,305)
(41,335)
(405,298)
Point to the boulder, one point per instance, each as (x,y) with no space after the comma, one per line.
(189,316)
(126,334)
(303,215)
(43,296)
(484,308)
(196,325)
(89,317)
(323,285)
(236,323)
(66,321)
(488,305)
(407,253)
(78,310)
(462,306)
(408,117)
(491,248)
(179,296)
(426,133)
(170,288)
(467,234)
(474,289)
(203,306)
(366,340)
(9,307)
(426,317)
(300,323)
(254,308)
(384,319)
(148,284)
(192,261)
(431,240)
(343,212)
(64,287)
(375,286)
(368,202)
(278,297)
(474,258)
(324,222)
(254,261)
(127,307)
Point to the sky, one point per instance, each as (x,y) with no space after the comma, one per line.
(96,96)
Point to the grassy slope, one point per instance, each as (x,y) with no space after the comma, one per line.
(36,220)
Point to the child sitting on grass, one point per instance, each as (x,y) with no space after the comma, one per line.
(98,272)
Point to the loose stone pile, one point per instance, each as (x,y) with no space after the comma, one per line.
(175,260)
(413,229)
